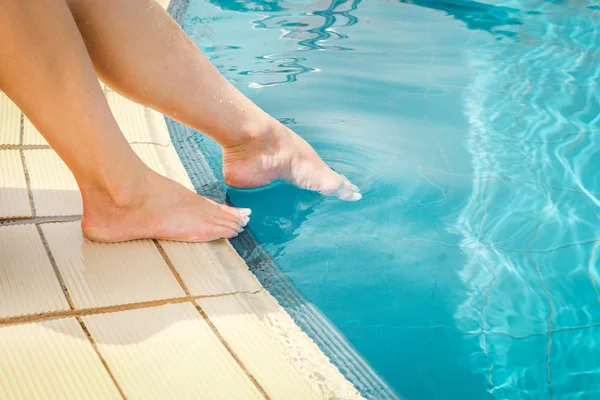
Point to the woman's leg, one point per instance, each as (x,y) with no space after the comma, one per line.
(139,51)
(46,70)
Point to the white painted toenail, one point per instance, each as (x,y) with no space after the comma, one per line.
(244,211)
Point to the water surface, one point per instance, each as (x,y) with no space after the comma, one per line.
(469,270)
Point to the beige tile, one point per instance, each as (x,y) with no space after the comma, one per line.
(14,199)
(53,186)
(10,121)
(210,268)
(51,360)
(286,362)
(27,281)
(165,161)
(168,352)
(164,3)
(105,274)
(138,123)
(31,136)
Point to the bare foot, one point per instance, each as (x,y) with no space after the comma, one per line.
(280,154)
(158,208)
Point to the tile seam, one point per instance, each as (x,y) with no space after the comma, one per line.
(57,272)
(72,307)
(214,329)
(100,357)
(25,147)
(174,271)
(48,147)
(231,352)
(38,220)
(21,128)
(24,164)
(36,317)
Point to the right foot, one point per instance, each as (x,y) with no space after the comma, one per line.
(159,209)
(277,153)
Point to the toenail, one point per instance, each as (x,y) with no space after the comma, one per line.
(244,212)
(240,230)
(245,221)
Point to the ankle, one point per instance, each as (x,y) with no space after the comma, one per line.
(126,192)
(253,133)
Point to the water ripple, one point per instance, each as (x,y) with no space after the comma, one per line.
(532,248)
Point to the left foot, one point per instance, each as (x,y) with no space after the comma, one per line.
(278,153)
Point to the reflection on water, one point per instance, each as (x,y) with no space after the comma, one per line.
(530,228)
(308,26)
(470,268)
(474,14)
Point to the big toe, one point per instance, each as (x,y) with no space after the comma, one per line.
(348,191)
(338,185)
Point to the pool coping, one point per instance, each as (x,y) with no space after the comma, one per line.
(305,315)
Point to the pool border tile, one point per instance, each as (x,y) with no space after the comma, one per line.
(99,281)
(76,354)
(14,186)
(42,292)
(113,361)
(10,125)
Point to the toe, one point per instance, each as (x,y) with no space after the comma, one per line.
(245,212)
(349,184)
(226,232)
(240,215)
(348,191)
(234,225)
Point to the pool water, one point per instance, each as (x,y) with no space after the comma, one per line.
(470,269)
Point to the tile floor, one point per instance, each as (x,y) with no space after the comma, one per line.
(145,319)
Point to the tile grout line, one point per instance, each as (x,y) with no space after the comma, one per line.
(82,312)
(72,307)
(25,169)
(21,128)
(167,259)
(231,352)
(102,360)
(59,276)
(38,220)
(48,147)
(25,146)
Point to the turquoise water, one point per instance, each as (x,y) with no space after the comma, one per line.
(470,268)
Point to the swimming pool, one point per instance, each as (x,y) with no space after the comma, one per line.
(470,268)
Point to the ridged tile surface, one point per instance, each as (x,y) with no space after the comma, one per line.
(31,136)
(284,360)
(210,268)
(168,352)
(105,274)
(10,121)
(51,360)
(138,123)
(14,199)
(28,283)
(164,160)
(54,189)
